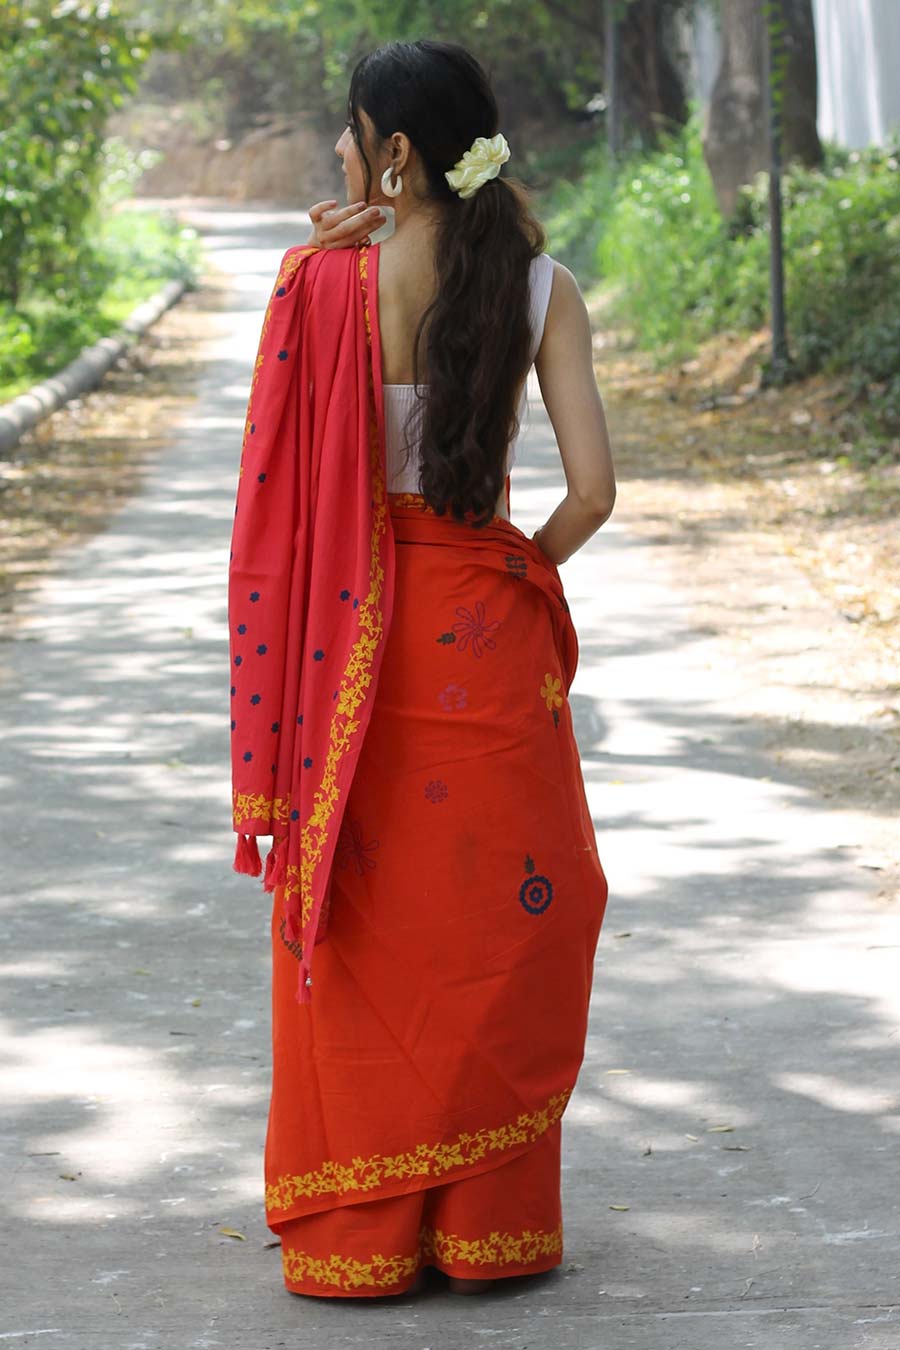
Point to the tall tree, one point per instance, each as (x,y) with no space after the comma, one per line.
(735,140)
(652,90)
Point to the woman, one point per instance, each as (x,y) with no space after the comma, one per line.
(401,655)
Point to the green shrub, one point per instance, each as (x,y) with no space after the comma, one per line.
(70,267)
(666,247)
(62,71)
(574,212)
(842,261)
(133,252)
(682,274)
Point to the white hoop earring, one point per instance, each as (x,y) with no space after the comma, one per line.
(386,187)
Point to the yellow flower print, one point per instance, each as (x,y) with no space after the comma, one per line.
(550,691)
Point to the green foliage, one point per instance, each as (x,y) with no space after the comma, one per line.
(575,208)
(665,242)
(141,249)
(299,54)
(70,266)
(842,255)
(62,70)
(682,275)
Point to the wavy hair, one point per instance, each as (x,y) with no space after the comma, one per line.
(478,346)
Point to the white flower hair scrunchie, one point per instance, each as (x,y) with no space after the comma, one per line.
(478,165)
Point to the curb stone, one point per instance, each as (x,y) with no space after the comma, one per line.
(85,371)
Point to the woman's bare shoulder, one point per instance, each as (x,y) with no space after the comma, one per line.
(564,287)
(567,324)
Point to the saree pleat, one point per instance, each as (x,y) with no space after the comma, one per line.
(416,1103)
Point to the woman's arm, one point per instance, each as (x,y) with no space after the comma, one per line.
(565,371)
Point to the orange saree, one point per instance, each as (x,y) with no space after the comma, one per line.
(417,1098)
(467,898)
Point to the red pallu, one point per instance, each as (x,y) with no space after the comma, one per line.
(440,827)
(310,579)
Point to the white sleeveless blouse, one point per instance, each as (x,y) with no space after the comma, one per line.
(400,400)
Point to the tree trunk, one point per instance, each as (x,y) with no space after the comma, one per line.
(800,108)
(652,90)
(735,144)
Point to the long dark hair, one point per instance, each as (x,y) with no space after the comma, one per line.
(479,336)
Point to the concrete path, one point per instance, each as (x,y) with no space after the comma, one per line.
(731,1150)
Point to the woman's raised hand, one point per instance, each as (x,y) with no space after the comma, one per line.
(342,226)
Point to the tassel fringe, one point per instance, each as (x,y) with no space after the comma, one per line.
(247,860)
(246,855)
(292,930)
(304,980)
(279,872)
(267,879)
(276,865)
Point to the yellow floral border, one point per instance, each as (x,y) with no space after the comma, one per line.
(434,1245)
(410,499)
(425,1160)
(248,806)
(418,500)
(358,673)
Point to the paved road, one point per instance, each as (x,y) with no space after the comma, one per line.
(739,1094)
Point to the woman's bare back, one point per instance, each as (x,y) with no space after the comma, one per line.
(407,283)
(564,365)
(407,279)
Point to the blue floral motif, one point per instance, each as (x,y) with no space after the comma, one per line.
(233,690)
(260,478)
(355,602)
(242,628)
(233,724)
(319,655)
(345,594)
(536,891)
(282,355)
(282,290)
(295,814)
(307,763)
(255,698)
(300,720)
(254,596)
(261,649)
(275,726)
(252,428)
(248,755)
(238,660)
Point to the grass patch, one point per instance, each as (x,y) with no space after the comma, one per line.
(131,255)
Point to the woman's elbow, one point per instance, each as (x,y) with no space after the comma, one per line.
(598,503)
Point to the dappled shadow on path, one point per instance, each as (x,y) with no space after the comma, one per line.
(742,977)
